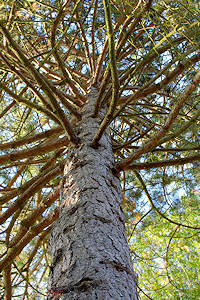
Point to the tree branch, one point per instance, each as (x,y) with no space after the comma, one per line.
(35,151)
(38,184)
(30,104)
(33,216)
(59,113)
(33,138)
(163,163)
(34,231)
(172,116)
(113,67)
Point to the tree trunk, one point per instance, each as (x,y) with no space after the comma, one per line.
(90,254)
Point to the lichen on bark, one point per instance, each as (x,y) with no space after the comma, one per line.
(90,254)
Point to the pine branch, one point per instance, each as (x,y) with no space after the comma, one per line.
(25,80)
(7,283)
(34,151)
(180,130)
(33,216)
(113,68)
(33,138)
(59,113)
(33,231)
(106,75)
(93,62)
(172,116)
(37,185)
(163,163)
(30,104)
(122,39)
(63,35)
(85,42)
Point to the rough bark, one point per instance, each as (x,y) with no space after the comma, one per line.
(90,254)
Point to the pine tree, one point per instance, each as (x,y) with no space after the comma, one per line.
(91,91)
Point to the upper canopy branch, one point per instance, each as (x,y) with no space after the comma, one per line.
(42,82)
(113,67)
(168,123)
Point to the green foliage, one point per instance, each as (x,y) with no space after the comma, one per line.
(166,255)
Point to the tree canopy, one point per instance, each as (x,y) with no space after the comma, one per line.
(143,56)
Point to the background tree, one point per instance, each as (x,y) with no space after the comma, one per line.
(142,57)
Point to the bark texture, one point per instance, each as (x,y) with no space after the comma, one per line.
(90,254)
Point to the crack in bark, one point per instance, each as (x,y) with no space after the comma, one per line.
(57,257)
(102,219)
(113,185)
(68,228)
(72,210)
(82,285)
(117,265)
